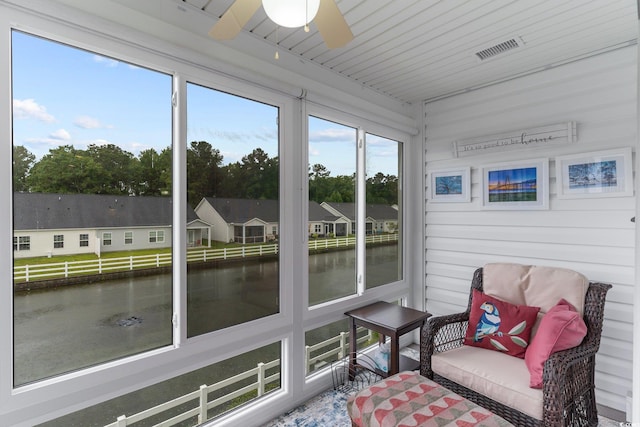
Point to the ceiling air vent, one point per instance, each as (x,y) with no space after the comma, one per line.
(500,49)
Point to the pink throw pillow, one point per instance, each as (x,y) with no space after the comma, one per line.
(498,325)
(561,328)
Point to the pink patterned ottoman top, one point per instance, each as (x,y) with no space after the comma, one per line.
(410,400)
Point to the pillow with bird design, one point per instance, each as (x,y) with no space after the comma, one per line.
(499,325)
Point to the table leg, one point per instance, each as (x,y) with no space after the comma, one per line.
(394,361)
(353,342)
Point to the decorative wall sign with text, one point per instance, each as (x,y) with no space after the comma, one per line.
(561,133)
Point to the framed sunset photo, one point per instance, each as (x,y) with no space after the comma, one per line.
(519,185)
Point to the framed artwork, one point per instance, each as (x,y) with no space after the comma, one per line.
(598,174)
(521,185)
(451,185)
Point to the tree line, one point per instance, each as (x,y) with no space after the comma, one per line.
(108,169)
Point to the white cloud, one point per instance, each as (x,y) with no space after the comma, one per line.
(61,135)
(87,122)
(30,109)
(333,135)
(109,62)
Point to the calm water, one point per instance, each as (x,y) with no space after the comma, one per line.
(69,328)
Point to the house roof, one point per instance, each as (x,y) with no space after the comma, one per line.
(58,211)
(317,213)
(375,211)
(239,211)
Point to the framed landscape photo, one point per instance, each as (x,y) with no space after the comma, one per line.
(451,185)
(597,174)
(518,185)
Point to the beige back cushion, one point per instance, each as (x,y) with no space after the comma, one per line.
(535,286)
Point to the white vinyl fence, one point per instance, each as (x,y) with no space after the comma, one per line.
(65,269)
(259,372)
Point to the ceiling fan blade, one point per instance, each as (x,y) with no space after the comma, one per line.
(331,25)
(234,19)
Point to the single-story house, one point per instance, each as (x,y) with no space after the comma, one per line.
(53,224)
(379,218)
(240,220)
(322,222)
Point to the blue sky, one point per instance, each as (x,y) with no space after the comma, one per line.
(67,96)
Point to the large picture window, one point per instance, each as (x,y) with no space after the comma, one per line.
(233,186)
(383,211)
(332,197)
(80,156)
(334,173)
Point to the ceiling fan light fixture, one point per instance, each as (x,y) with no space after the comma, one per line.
(291,13)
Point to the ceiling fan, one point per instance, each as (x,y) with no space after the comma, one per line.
(287,13)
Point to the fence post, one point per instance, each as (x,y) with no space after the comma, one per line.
(224,255)
(130,262)
(202,415)
(122,421)
(243,252)
(261,379)
(307,359)
(157,260)
(204,255)
(343,345)
(66,269)
(99,265)
(26,273)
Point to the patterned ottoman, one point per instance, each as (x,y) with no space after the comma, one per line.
(408,399)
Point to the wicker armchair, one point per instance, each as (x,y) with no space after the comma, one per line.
(568,377)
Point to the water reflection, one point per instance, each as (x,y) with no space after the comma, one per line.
(70,328)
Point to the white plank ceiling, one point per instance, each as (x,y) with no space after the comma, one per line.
(415,50)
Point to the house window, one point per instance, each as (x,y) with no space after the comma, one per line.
(318,228)
(21,243)
(245,178)
(128,237)
(71,182)
(106,239)
(58,241)
(156,236)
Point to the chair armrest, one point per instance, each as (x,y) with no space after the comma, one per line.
(441,333)
(566,377)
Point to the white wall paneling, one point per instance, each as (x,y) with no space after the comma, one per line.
(592,235)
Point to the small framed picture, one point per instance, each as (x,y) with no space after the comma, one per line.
(521,185)
(451,185)
(598,174)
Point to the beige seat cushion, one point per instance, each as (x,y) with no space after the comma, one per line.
(501,377)
(534,285)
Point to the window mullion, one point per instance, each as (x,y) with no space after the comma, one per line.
(179,210)
(361,200)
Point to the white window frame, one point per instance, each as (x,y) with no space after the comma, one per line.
(82,240)
(130,234)
(106,239)
(17,242)
(58,241)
